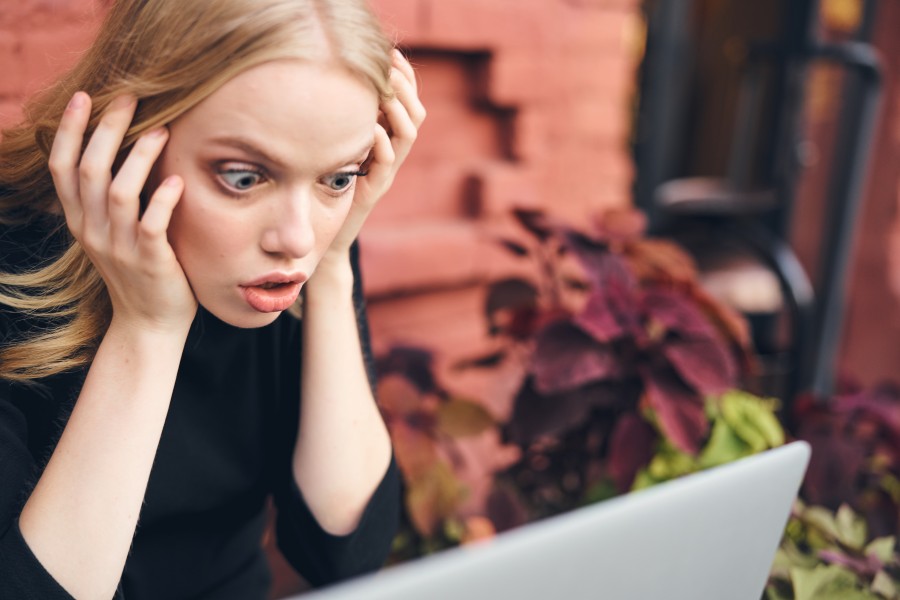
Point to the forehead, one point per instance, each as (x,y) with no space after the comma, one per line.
(310,114)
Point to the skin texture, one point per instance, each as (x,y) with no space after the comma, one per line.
(194,242)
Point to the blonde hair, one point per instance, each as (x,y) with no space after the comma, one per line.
(171,55)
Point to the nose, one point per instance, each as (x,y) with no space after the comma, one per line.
(290,229)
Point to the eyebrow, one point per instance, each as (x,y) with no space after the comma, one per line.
(260,154)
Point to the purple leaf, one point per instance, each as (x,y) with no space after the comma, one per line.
(598,319)
(882,403)
(706,365)
(678,409)
(505,509)
(631,447)
(678,313)
(836,464)
(411,362)
(566,358)
(537,415)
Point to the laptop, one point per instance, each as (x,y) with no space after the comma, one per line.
(707,536)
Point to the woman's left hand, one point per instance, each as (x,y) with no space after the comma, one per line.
(404,115)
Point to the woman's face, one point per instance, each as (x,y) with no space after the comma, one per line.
(268,163)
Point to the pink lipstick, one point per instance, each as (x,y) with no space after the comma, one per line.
(273,293)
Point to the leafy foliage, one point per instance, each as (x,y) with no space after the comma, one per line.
(843,545)
(629,377)
(828,555)
(856,453)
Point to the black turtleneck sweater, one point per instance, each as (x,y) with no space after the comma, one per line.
(225,450)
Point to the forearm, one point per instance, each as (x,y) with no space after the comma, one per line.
(80,519)
(343,447)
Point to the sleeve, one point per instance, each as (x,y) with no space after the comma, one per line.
(321,557)
(22,576)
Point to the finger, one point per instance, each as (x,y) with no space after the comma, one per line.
(125,190)
(402,64)
(65,154)
(155,221)
(95,171)
(383,157)
(405,91)
(403,130)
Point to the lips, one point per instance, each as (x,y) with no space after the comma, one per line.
(273,293)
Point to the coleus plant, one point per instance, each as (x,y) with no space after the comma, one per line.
(622,348)
(855,438)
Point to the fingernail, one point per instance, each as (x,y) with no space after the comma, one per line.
(171,181)
(155,133)
(77,101)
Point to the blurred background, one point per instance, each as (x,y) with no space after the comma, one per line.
(763,137)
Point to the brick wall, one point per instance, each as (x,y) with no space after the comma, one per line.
(529,104)
(38,40)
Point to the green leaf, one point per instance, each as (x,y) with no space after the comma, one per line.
(724,446)
(823,521)
(886,586)
(882,548)
(790,555)
(851,528)
(753,420)
(433,497)
(670,463)
(461,418)
(827,582)
(600,491)
(643,480)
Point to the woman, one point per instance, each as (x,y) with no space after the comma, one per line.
(161,209)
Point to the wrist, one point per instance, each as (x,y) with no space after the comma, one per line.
(333,274)
(152,333)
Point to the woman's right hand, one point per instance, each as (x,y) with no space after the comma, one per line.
(146,284)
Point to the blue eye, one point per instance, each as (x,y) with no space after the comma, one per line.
(241,179)
(339,182)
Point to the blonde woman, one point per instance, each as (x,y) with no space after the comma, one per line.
(162,208)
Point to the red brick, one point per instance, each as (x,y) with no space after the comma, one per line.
(402,20)
(506,186)
(431,255)
(597,74)
(592,30)
(598,119)
(47,54)
(10,64)
(475,24)
(10,112)
(516,77)
(423,191)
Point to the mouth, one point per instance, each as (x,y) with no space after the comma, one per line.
(273,293)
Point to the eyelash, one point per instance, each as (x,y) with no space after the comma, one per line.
(351,174)
(230,189)
(238,193)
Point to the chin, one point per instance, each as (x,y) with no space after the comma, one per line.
(243,319)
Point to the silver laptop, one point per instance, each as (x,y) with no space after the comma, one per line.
(708,536)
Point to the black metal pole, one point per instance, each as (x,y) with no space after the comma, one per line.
(859,115)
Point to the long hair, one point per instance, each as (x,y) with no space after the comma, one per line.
(171,55)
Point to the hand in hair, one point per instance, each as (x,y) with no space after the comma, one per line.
(146,284)
(403,115)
